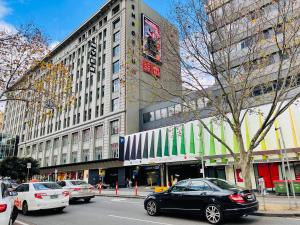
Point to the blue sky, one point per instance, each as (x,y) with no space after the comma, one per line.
(58,18)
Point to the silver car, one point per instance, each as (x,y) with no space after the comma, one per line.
(78,189)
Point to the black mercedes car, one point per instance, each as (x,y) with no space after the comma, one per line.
(213,198)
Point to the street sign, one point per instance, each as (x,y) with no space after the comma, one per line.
(28,165)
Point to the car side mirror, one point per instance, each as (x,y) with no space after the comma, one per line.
(12,193)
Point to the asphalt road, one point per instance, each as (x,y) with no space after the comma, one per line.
(120,211)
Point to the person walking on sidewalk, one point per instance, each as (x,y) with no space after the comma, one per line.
(261,185)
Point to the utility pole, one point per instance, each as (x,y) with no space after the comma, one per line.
(288,165)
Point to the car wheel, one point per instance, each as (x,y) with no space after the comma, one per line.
(86,200)
(213,214)
(25,208)
(152,208)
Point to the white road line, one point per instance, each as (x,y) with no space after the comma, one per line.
(21,223)
(134,219)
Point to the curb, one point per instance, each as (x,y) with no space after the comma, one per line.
(260,213)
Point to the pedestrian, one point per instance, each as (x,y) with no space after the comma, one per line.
(129,183)
(261,185)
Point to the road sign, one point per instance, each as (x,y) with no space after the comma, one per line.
(28,165)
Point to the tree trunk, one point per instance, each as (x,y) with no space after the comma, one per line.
(244,162)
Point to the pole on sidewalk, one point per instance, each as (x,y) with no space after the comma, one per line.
(283,170)
(136,189)
(289,168)
(117,188)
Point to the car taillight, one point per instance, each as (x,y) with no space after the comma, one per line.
(65,193)
(39,195)
(76,189)
(3,208)
(236,198)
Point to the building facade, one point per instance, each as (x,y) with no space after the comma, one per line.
(107,91)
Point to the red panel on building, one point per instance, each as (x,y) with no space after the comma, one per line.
(270,172)
(149,67)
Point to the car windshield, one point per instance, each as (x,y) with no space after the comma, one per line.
(78,182)
(46,186)
(224,184)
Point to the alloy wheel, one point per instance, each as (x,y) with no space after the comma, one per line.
(213,214)
(152,208)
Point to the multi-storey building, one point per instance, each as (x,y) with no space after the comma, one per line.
(172,141)
(107,68)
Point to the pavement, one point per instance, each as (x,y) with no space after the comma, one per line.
(274,205)
(130,211)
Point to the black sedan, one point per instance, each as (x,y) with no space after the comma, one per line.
(211,197)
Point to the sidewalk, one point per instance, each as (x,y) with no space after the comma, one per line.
(275,205)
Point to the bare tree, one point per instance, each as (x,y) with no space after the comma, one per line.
(27,74)
(235,55)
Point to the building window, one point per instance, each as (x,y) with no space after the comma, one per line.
(64,158)
(55,144)
(74,157)
(147,117)
(86,135)
(116,36)
(98,93)
(116,24)
(99,132)
(171,110)
(65,141)
(178,108)
(86,155)
(114,127)
(157,114)
(116,66)
(115,104)
(98,153)
(105,19)
(102,91)
(102,109)
(246,43)
(115,150)
(164,113)
(116,51)
(115,85)
(116,9)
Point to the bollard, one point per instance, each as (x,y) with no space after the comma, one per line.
(117,188)
(136,189)
(100,188)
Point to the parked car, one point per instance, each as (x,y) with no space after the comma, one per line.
(78,189)
(8,211)
(213,198)
(41,195)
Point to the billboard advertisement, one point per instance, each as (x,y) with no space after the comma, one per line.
(151,39)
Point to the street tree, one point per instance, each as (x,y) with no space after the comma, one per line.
(27,74)
(233,59)
(16,168)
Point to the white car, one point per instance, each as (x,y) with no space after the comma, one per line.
(78,189)
(41,195)
(8,213)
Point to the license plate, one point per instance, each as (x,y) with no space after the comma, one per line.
(53,196)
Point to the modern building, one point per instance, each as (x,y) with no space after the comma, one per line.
(171,141)
(8,145)
(108,72)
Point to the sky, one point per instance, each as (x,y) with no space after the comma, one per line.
(58,18)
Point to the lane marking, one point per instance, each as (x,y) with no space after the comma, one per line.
(21,223)
(140,220)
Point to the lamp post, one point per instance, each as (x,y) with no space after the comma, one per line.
(288,164)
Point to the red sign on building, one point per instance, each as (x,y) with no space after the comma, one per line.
(150,68)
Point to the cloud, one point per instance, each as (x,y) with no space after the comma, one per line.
(53,45)
(5,10)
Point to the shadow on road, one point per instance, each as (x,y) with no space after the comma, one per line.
(232,220)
